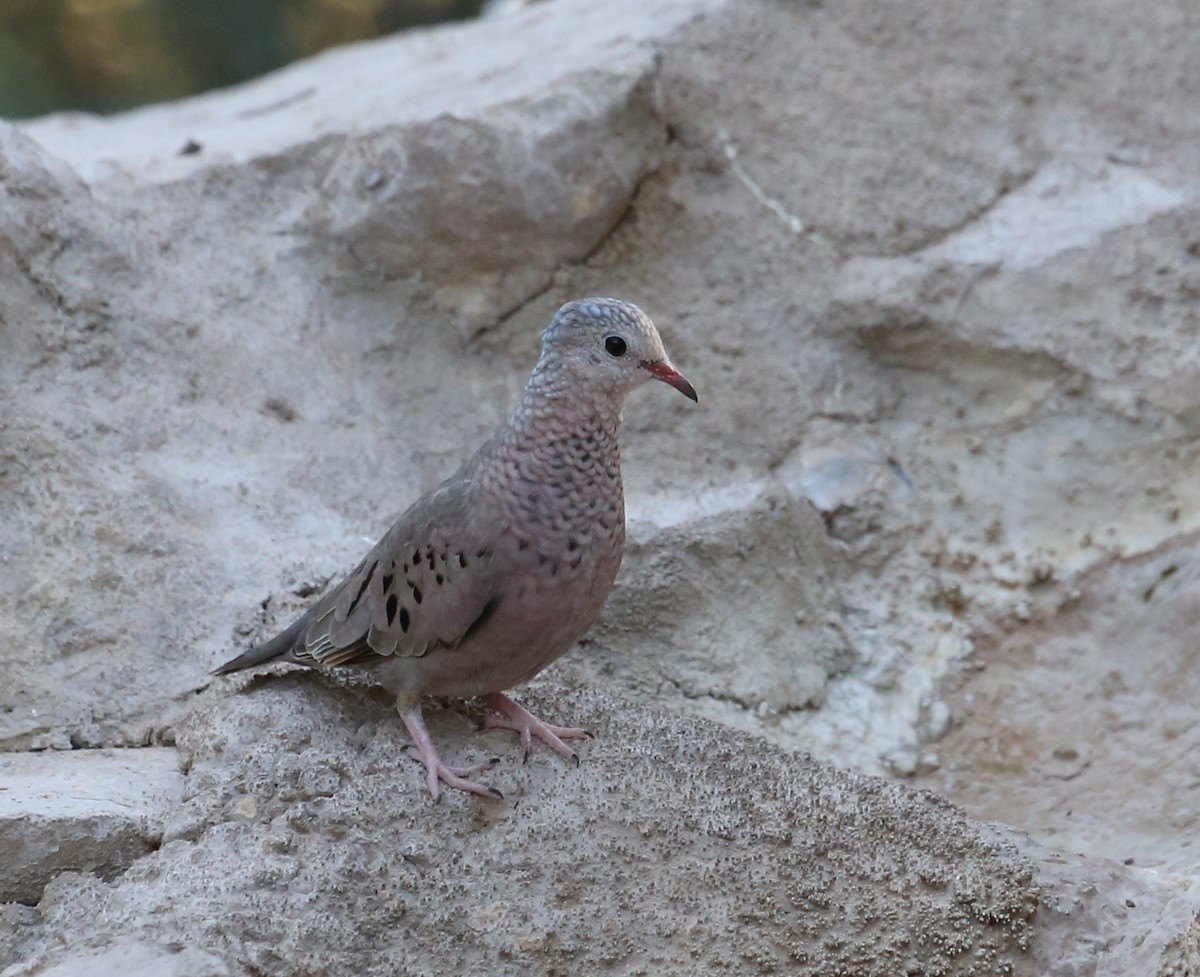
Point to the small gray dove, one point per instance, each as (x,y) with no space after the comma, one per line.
(489,578)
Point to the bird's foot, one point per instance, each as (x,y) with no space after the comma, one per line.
(474,767)
(516,717)
(438,773)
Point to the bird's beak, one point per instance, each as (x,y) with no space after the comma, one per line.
(664,371)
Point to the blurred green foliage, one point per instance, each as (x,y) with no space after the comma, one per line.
(108,55)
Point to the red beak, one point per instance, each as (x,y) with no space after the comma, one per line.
(662,370)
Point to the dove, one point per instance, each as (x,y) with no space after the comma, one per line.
(496,573)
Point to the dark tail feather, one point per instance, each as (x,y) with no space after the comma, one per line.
(277,647)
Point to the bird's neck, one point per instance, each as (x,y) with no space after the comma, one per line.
(560,443)
(556,406)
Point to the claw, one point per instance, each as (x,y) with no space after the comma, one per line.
(515,717)
(436,772)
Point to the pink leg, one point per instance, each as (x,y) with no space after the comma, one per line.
(517,717)
(437,772)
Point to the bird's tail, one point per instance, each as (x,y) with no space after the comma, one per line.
(277,647)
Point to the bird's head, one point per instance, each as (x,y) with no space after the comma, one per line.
(610,344)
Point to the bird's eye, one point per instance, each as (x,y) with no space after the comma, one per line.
(615,346)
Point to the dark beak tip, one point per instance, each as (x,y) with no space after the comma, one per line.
(667,374)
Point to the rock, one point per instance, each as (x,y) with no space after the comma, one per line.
(677,847)
(1060,208)
(757,563)
(485,208)
(483,197)
(82,810)
(125,959)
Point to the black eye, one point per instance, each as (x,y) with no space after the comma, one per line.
(615,346)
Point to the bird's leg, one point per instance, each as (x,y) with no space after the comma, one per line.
(518,718)
(437,772)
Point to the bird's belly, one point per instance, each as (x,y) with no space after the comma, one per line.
(529,629)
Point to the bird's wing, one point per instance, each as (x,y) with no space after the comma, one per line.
(429,583)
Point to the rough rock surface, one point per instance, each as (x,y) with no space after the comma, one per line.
(319,845)
(935,272)
(81,810)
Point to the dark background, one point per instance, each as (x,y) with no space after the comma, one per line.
(108,55)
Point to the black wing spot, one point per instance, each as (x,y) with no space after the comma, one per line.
(416,556)
(554,569)
(392,604)
(481,554)
(417,595)
(462,560)
(362,589)
(404,619)
(572,545)
(488,610)
(439,578)
(522,544)
(387,582)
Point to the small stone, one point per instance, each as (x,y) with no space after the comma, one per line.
(903,763)
(938,723)
(185,823)
(51,739)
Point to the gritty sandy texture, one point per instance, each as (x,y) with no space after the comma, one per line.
(935,272)
(654,859)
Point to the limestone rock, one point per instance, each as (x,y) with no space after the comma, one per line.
(80,810)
